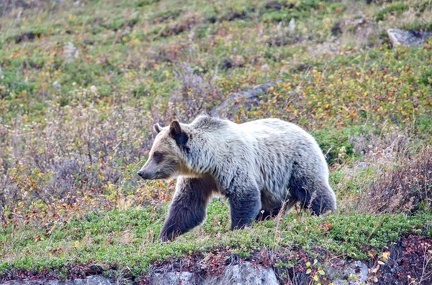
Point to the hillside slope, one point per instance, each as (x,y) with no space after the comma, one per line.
(82,82)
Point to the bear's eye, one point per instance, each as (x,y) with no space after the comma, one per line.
(158,156)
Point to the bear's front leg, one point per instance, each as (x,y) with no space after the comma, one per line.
(245,205)
(188,207)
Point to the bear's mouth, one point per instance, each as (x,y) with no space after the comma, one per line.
(153,175)
(162,175)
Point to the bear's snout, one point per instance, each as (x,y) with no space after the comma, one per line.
(144,175)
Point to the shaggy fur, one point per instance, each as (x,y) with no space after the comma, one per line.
(260,166)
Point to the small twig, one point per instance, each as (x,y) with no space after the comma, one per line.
(426,271)
(159,33)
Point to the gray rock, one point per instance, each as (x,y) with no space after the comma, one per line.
(246,99)
(243,274)
(26,282)
(91,280)
(342,272)
(70,52)
(407,38)
(168,278)
(240,274)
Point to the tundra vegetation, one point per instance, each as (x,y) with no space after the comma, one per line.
(82,82)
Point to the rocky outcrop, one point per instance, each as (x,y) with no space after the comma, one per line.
(242,273)
(409,38)
(246,100)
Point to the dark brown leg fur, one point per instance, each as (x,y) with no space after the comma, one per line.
(188,207)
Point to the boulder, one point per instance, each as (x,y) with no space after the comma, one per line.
(409,38)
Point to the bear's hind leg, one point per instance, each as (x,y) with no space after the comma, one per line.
(316,196)
(188,207)
(323,201)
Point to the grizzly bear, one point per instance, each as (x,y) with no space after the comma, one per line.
(262,167)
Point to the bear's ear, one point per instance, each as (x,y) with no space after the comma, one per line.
(175,129)
(157,128)
(177,133)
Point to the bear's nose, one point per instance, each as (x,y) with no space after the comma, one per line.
(142,174)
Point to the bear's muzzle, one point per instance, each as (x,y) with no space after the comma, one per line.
(145,175)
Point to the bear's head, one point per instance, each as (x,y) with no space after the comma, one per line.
(166,157)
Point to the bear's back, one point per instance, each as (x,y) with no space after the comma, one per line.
(278,145)
(275,131)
